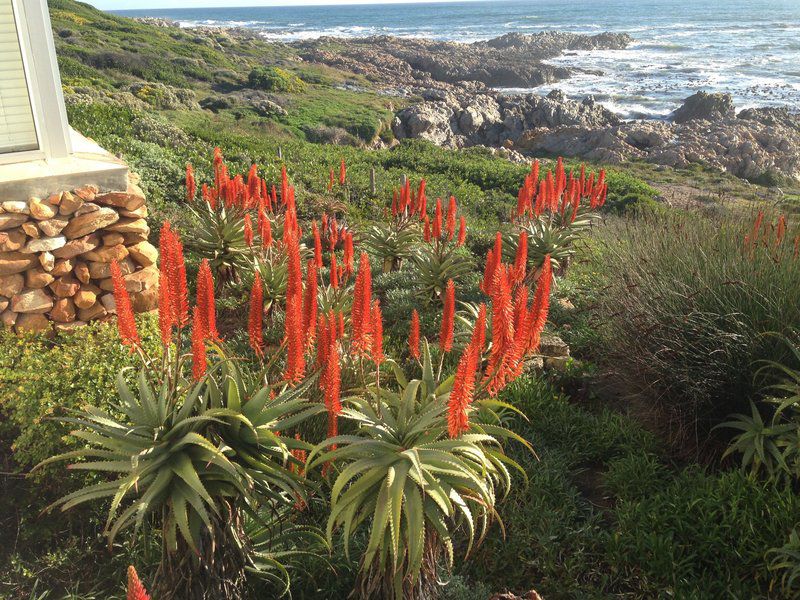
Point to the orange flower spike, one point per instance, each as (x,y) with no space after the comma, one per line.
(426,232)
(780,230)
(266,233)
(521,258)
(199,363)
(172,263)
(348,254)
(437,220)
(256,316)
(342,173)
(135,589)
(378,357)
(360,317)
(166,316)
(448,318)
(541,305)
(206,302)
(413,336)
(310,304)
(334,272)
(462,231)
(284,186)
(248,230)
(462,393)
(317,245)
(452,208)
(126,323)
(191,183)
(294,313)
(331,180)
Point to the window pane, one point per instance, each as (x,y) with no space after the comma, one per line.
(17,130)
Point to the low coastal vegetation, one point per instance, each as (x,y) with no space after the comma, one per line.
(355,380)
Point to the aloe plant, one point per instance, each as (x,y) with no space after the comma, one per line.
(195,459)
(435,267)
(391,244)
(417,490)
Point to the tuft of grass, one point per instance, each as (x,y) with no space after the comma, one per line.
(685,308)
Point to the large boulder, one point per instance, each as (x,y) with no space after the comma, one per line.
(705,106)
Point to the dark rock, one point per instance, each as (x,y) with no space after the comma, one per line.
(704,106)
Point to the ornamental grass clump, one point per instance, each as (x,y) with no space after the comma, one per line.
(688,302)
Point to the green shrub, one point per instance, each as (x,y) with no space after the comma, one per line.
(703,536)
(769,443)
(627,193)
(42,378)
(275,79)
(685,310)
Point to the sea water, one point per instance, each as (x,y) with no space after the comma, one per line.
(749,48)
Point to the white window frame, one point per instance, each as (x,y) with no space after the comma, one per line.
(44,83)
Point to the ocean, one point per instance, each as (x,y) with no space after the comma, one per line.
(750,48)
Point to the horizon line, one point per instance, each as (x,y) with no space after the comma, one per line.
(293,4)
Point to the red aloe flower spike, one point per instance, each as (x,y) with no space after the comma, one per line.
(334,272)
(502,331)
(206,302)
(421,199)
(191,184)
(265,231)
(126,324)
(521,258)
(413,335)
(378,357)
(462,393)
(295,338)
(310,304)
(780,230)
(448,318)
(166,315)
(462,231)
(172,263)
(348,254)
(342,173)
(331,179)
(248,230)
(199,363)
(426,232)
(452,208)
(317,245)
(541,305)
(135,589)
(256,317)
(284,186)
(361,314)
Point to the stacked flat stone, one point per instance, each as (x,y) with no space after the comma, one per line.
(56,254)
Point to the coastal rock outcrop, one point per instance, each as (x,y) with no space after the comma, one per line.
(513,60)
(494,119)
(703,105)
(755,144)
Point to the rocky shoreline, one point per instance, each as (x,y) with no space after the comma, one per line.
(458,101)
(457,97)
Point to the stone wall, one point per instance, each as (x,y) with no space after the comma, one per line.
(56,254)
